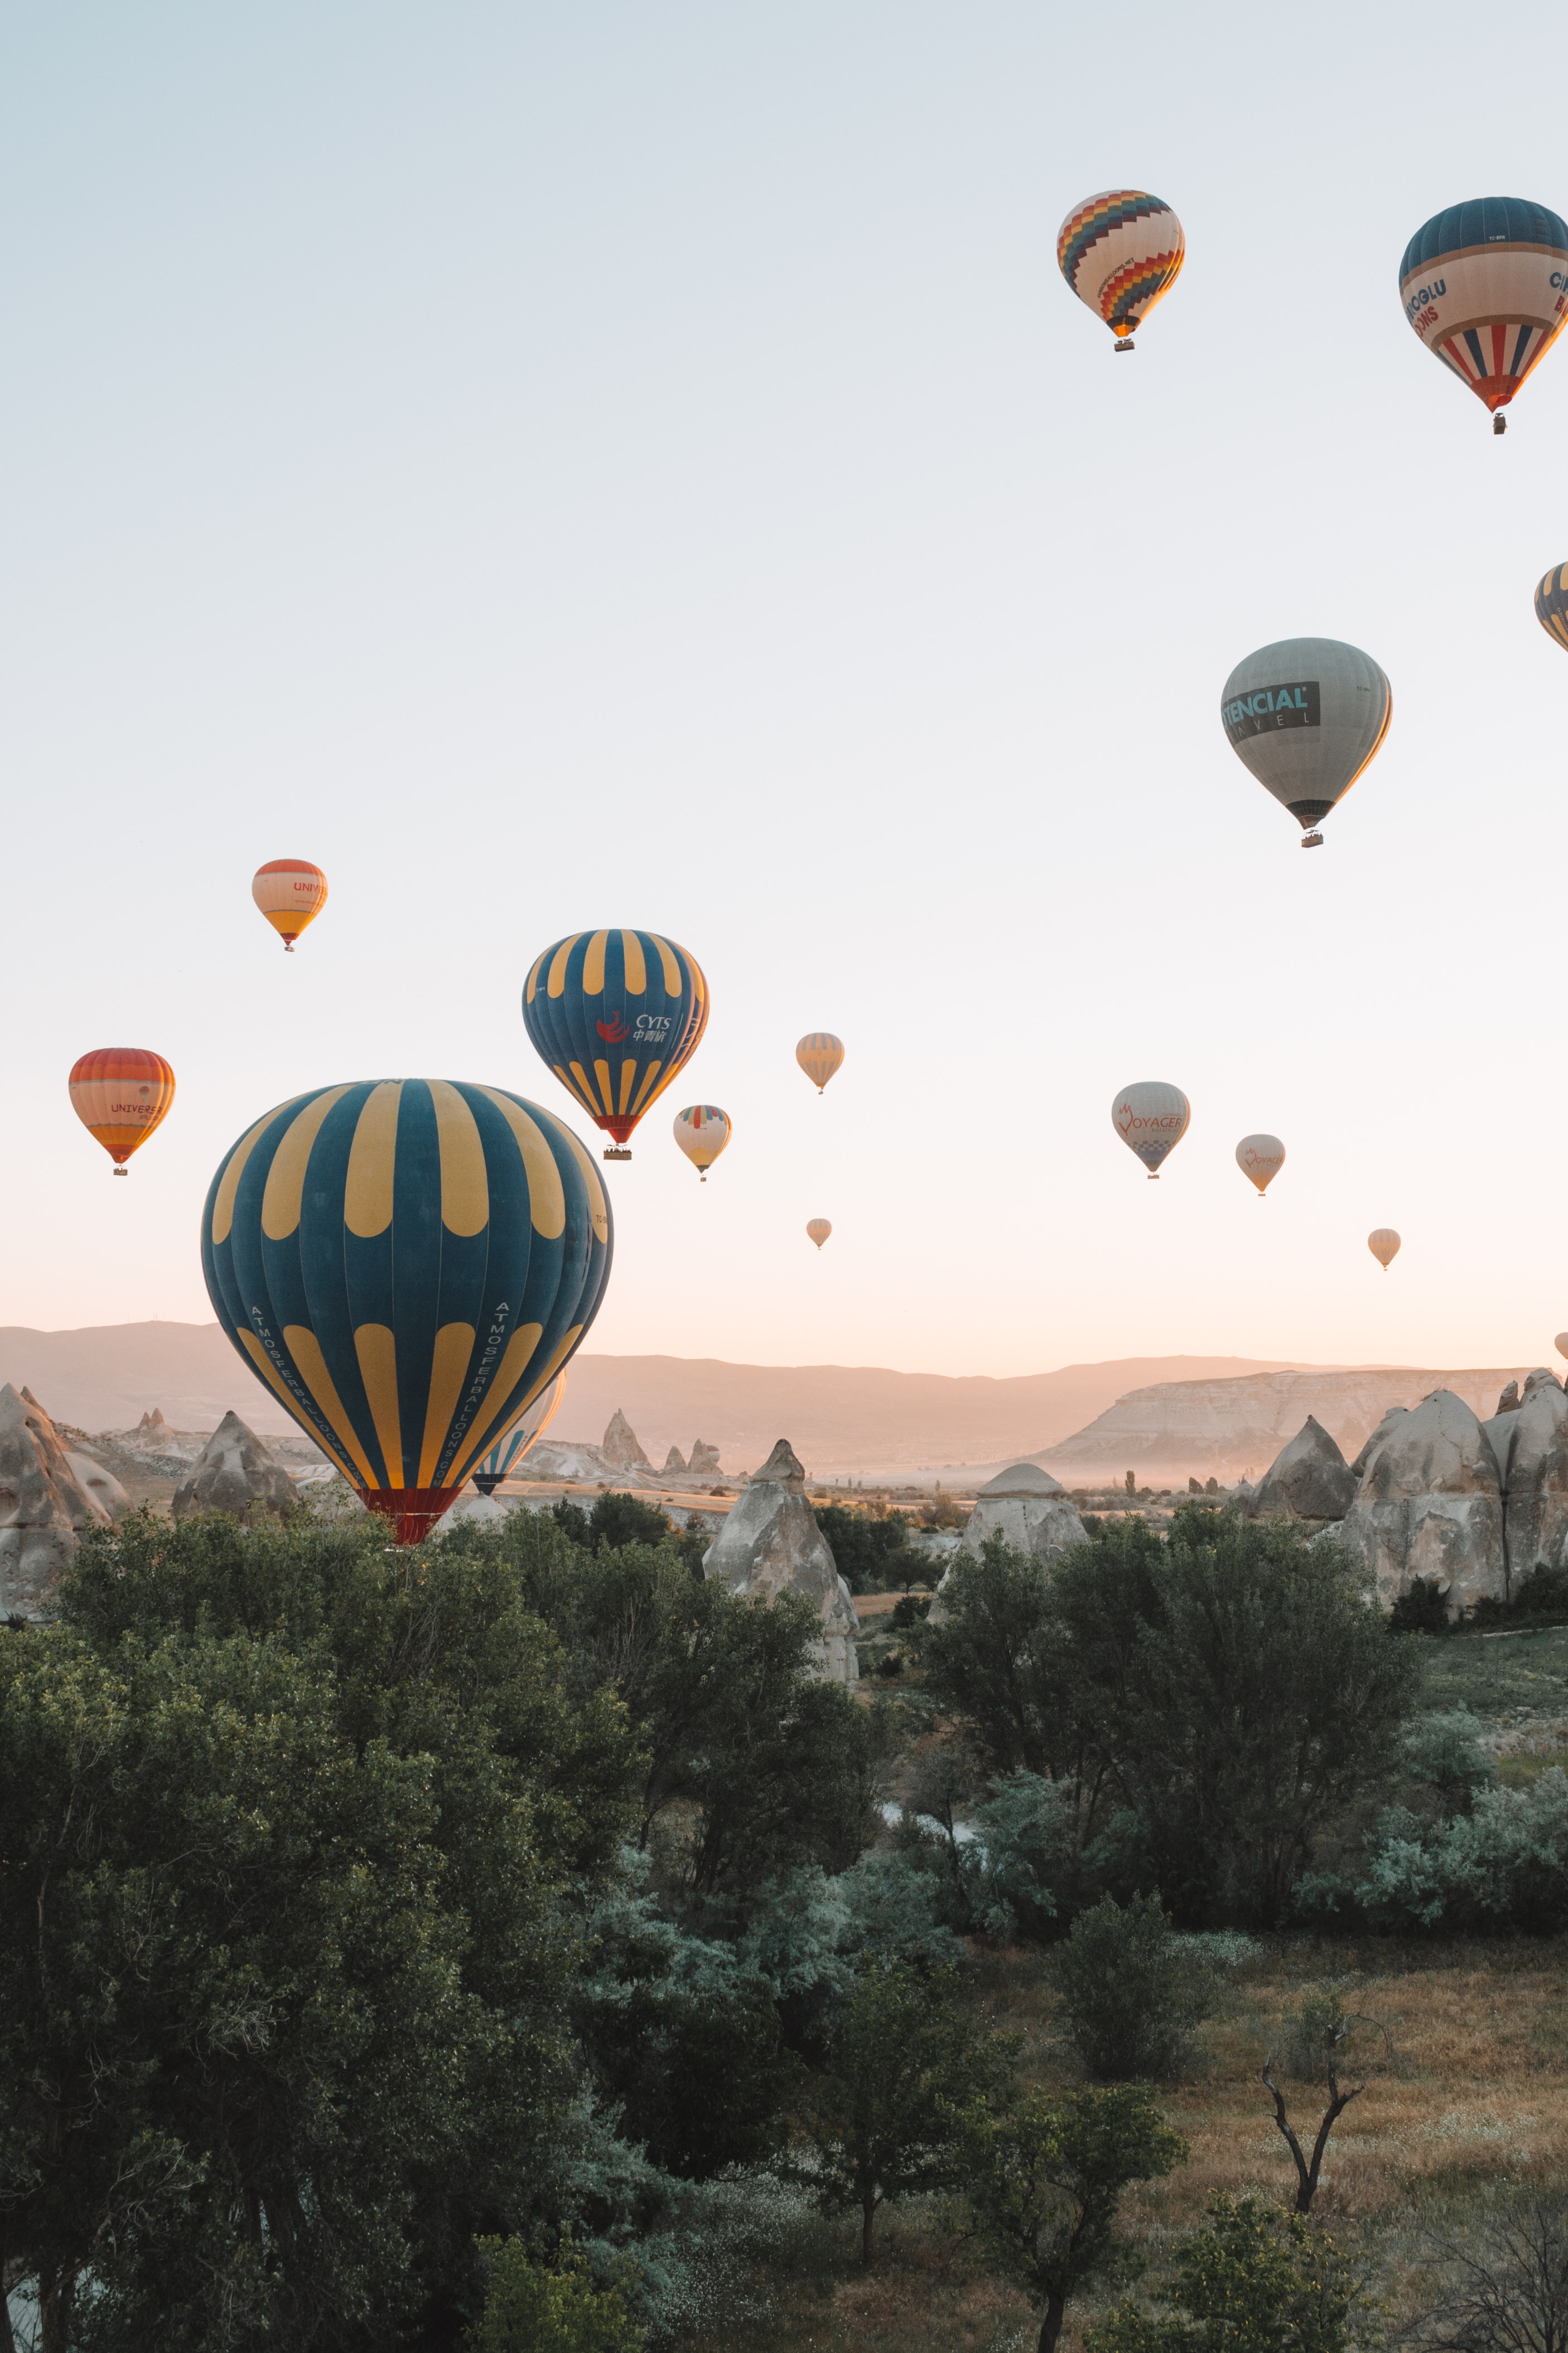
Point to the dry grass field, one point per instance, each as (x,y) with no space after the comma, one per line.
(1475,2098)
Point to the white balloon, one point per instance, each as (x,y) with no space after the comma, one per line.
(1260,1157)
(1150,1118)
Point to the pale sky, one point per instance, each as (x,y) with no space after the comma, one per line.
(568,466)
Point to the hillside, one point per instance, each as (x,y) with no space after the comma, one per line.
(1229,1428)
(106,1376)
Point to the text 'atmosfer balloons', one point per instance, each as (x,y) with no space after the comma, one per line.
(616,1016)
(1384,1244)
(1482,284)
(1306,716)
(407,1263)
(291,893)
(121,1093)
(1260,1158)
(818,1229)
(702,1131)
(1120,252)
(819,1054)
(1150,1118)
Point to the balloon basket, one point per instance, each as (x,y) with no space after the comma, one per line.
(1124,342)
(1500,425)
(1313,840)
(120,1172)
(618,1152)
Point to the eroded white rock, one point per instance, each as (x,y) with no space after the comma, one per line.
(1309,1480)
(44,1507)
(770,1543)
(1430,1505)
(235,1472)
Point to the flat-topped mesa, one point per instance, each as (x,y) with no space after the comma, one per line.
(235,1472)
(1028,1510)
(1309,1480)
(619,1445)
(1430,1505)
(771,1544)
(44,1507)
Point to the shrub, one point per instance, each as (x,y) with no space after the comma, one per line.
(910,1611)
(1503,1864)
(871,1555)
(530,2308)
(1255,2281)
(1130,1994)
(1421,1608)
(1445,1750)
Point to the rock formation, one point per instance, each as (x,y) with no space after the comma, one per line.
(704,1462)
(1028,1509)
(234,1472)
(153,1431)
(1358,1468)
(1531,1449)
(100,1484)
(675,1461)
(1509,1401)
(619,1445)
(771,1544)
(43,1507)
(1430,1505)
(1310,1480)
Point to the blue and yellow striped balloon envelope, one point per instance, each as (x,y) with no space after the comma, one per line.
(407,1263)
(616,1015)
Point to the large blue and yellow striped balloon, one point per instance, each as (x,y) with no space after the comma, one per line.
(407,1263)
(616,1015)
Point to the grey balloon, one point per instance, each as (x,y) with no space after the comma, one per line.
(1305,716)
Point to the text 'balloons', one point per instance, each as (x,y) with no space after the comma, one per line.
(1306,716)
(616,1016)
(1150,1118)
(1120,252)
(1482,285)
(1260,1158)
(819,1054)
(503,1461)
(407,1263)
(1384,1244)
(818,1228)
(702,1131)
(291,893)
(121,1093)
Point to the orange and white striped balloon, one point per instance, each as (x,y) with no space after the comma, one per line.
(1384,1244)
(291,893)
(818,1229)
(121,1094)
(819,1054)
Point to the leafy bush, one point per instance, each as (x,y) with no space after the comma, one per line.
(1503,1864)
(1255,2281)
(1421,1608)
(533,2307)
(912,1609)
(1130,1994)
(871,1555)
(1445,1750)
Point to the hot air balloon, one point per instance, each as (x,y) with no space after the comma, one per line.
(503,1458)
(1260,1158)
(1384,1244)
(1552,604)
(1120,252)
(818,1228)
(1306,716)
(702,1131)
(407,1264)
(1482,284)
(121,1094)
(291,893)
(819,1054)
(1150,1118)
(616,1016)
(1560,1343)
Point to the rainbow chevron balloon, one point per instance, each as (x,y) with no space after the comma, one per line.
(1120,252)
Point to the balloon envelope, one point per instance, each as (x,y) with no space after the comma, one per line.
(407,1263)
(503,1461)
(1260,1157)
(1552,603)
(1560,1343)
(1306,715)
(1150,1118)
(819,1054)
(1120,252)
(819,1230)
(291,893)
(1384,1244)
(121,1093)
(702,1131)
(616,1016)
(1482,284)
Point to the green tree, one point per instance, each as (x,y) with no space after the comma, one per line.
(1257,2280)
(1130,1993)
(534,2307)
(902,2063)
(992,1662)
(1044,2184)
(873,1555)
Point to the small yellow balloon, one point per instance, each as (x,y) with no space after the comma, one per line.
(819,1230)
(819,1054)
(702,1131)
